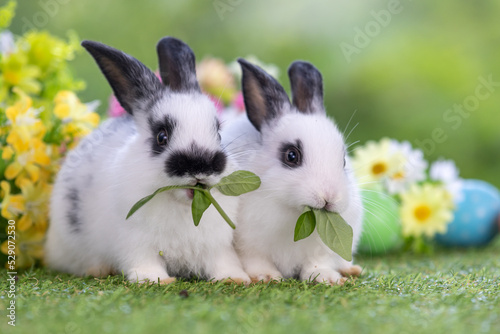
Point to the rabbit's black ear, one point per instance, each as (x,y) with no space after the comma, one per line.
(264,97)
(307,87)
(177,65)
(131,81)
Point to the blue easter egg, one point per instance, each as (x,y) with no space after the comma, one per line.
(475,220)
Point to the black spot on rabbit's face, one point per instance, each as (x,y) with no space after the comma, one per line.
(161,133)
(195,162)
(290,154)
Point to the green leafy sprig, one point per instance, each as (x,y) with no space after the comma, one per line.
(235,184)
(332,229)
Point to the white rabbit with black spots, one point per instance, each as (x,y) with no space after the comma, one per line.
(301,158)
(170,136)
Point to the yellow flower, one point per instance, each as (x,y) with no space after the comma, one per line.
(375,161)
(28,162)
(425,210)
(29,246)
(34,140)
(216,79)
(78,119)
(36,203)
(48,52)
(24,124)
(7,153)
(16,72)
(7,13)
(12,205)
(55,154)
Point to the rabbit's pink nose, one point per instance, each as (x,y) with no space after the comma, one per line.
(332,201)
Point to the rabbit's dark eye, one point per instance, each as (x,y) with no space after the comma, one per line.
(162,137)
(344,161)
(290,154)
(292,157)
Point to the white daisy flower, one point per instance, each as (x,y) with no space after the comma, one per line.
(411,168)
(374,162)
(7,43)
(446,171)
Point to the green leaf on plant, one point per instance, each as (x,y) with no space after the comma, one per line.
(237,183)
(199,205)
(335,233)
(305,225)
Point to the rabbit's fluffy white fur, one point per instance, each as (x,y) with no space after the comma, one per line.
(265,235)
(121,162)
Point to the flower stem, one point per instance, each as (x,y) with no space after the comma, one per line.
(218,208)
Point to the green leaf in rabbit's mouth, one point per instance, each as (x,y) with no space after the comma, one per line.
(235,184)
(331,227)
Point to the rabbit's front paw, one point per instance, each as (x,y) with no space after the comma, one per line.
(227,268)
(352,271)
(260,268)
(149,276)
(237,277)
(166,281)
(99,271)
(325,275)
(266,277)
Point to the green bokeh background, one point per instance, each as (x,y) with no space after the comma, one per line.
(400,84)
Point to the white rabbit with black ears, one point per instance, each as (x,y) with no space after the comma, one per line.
(300,156)
(170,136)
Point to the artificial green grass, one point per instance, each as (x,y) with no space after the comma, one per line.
(451,291)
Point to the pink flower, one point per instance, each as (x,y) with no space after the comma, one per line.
(115,109)
(219,106)
(238,102)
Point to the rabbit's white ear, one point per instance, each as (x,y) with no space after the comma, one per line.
(264,97)
(132,82)
(307,87)
(177,65)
